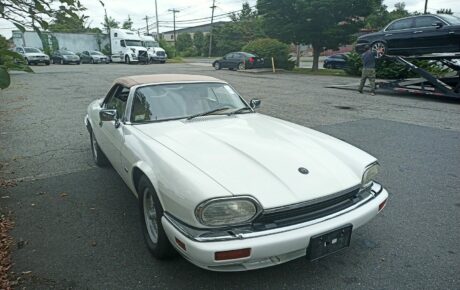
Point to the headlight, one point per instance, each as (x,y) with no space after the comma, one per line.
(370,173)
(226,211)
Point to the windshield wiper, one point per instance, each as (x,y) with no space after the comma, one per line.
(207,113)
(239,110)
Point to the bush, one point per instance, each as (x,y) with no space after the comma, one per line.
(268,48)
(388,69)
(169,49)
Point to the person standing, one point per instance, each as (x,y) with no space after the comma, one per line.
(368,58)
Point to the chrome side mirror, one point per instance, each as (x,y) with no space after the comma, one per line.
(255,103)
(108,115)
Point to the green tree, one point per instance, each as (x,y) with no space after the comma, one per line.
(110,22)
(36,13)
(63,22)
(170,51)
(184,42)
(268,48)
(127,24)
(322,23)
(200,43)
(244,27)
(445,11)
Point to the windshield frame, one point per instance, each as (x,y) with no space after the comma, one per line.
(129,106)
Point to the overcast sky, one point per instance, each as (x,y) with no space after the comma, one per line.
(138,9)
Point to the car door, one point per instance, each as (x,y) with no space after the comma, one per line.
(225,60)
(428,37)
(84,57)
(398,35)
(57,57)
(110,136)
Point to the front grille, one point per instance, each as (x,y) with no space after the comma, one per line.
(142,53)
(295,215)
(160,53)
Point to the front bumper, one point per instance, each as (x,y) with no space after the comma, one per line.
(269,248)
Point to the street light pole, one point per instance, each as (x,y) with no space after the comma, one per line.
(174,11)
(210,31)
(426,6)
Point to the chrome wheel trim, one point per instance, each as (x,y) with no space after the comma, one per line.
(150,215)
(379,46)
(241,66)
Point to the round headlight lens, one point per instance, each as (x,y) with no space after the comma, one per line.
(370,173)
(223,212)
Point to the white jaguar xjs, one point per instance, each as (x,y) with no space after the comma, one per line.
(228,188)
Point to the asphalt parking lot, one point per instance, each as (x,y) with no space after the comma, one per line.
(78,225)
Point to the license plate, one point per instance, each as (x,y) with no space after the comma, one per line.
(330,242)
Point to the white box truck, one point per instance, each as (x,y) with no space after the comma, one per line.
(127,47)
(155,52)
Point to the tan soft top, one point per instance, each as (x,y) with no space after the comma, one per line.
(130,81)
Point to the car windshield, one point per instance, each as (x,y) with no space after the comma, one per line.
(66,52)
(133,43)
(31,50)
(177,101)
(96,53)
(150,44)
(454,20)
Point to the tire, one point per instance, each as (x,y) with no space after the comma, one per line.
(28,62)
(217,65)
(78,63)
(241,66)
(47,63)
(98,156)
(127,60)
(151,214)
(379,45)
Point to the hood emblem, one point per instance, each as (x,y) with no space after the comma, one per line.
(303,170)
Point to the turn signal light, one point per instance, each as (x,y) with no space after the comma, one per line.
(233,254)
(181,244)
(382,205)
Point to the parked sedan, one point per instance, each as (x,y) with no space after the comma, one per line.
(415,35)
(65,57)
(239,60)
(226,187)
(93,56)
(335,61)
(33,55)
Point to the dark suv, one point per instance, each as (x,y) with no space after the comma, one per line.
(415,35)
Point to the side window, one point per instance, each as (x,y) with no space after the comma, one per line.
(117,100)
(122,43)
(425,21)
(18,49)
(401,24)
(115,34)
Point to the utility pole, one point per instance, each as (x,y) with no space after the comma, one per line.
(174,11)
(147,23)
(426,6)
(210,31)
(156,17)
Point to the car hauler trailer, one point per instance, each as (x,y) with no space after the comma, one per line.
(427,84)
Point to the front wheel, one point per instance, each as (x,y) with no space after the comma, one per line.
(151,214)
(127,60)
(241,66)
(98,156)
(217,65)
(380,48)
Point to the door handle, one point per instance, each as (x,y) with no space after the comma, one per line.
(419,31)
(389,34)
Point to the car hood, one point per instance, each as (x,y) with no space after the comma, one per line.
(257,155)
(35,54)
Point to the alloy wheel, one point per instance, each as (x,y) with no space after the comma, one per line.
(150,215)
